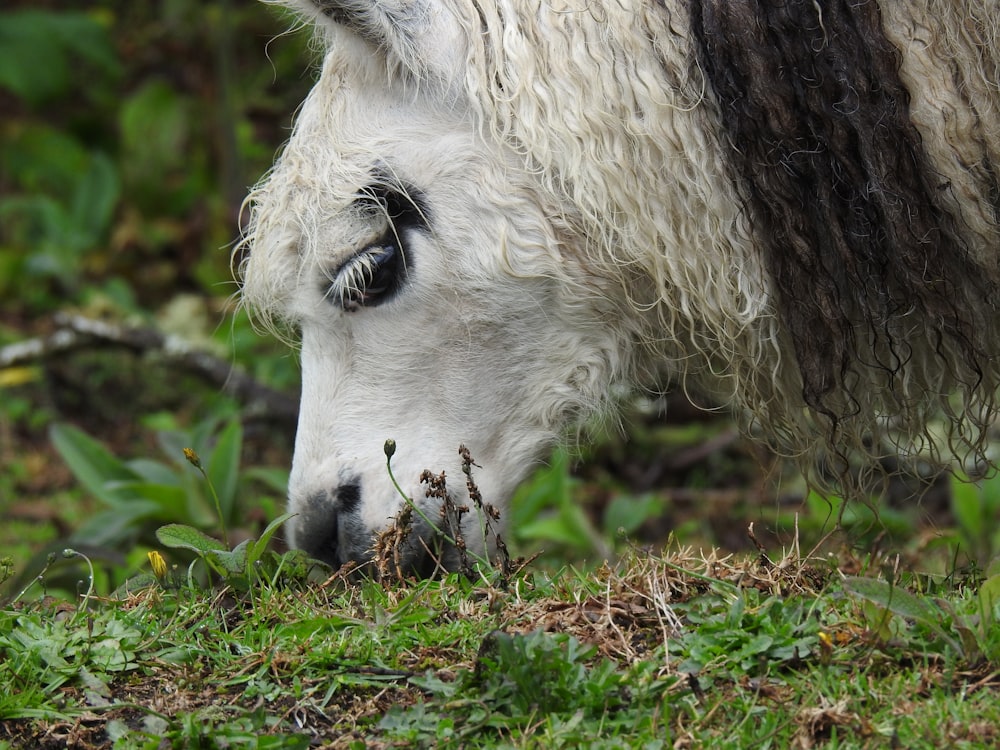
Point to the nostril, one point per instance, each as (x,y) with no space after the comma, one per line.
(316,528)
(349,498)
(329,523)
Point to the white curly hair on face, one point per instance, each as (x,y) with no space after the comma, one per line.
(494,218)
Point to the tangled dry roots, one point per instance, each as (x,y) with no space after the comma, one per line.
(393,547)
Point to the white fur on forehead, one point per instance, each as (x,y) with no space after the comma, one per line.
(420,39)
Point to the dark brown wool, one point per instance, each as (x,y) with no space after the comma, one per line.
(862,255)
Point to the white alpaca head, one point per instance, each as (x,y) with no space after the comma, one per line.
(435,305)
(491,216)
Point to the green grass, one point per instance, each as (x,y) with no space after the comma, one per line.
(214,645)
(667,651)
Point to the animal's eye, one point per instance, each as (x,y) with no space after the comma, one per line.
(375,274)
(372,276)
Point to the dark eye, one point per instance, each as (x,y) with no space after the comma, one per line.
(376,274)
(371,277)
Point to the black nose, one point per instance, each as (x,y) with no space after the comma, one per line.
(330,528)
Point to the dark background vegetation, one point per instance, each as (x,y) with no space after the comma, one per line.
(129,136)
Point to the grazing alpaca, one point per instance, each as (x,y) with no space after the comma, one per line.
(494,216)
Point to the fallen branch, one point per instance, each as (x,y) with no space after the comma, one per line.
(75,333)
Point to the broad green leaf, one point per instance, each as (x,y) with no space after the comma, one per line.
(200,434)
(166,498)
(989,599)
(179,536)
(630,513)
(256,549)
(223,466)
(199,510)
(233,562)
(42,160)
(173,443)
(158,159)
(967,505)
(893,598)
(153,124)
(550,487)
(902,603)
(305,630)
(273,478)
(554,529)
(41,53)
(94,466)
(94,201)
(155,471)
(133,584)
(989,492)
(754,649)
(116,527)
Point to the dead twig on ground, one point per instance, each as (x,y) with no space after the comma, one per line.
(76,333)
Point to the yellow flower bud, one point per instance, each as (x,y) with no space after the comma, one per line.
(157,563)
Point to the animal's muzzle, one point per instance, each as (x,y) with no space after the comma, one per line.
(329,527)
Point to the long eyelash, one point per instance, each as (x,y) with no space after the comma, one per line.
(354,279)
(374,275)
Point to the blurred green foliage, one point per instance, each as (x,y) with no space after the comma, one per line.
(130,135)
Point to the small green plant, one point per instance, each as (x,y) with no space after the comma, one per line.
(976,506)
(141,494)
(42,653)
(545,512)
(517,681)
(60,193)
(862,521)
(544,673)
(970,635)
(743,634)
(237,566)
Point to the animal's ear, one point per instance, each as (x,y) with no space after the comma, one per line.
(419,36)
